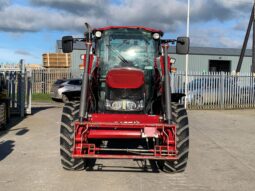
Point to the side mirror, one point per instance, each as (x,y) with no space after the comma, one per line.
(182,45)
(67,44)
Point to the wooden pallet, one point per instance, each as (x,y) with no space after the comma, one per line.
(57,60)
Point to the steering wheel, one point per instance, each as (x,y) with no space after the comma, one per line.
(127,64)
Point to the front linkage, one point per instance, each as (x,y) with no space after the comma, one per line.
(123,126)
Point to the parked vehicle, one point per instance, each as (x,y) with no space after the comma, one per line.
(62,86)
(212,90)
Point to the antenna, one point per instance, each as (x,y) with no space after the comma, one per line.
(88,27)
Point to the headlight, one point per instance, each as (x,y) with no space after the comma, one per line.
(98,34)
(116,105)
(156,36)
(124,105)
(131,105)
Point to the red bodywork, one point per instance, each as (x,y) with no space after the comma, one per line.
(125,78)
(125,126)
(103,126)
(130,27)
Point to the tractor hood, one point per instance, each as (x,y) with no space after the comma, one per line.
(125,78)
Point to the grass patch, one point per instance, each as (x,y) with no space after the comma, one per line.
(41,97)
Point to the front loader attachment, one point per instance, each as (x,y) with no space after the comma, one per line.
(160,137)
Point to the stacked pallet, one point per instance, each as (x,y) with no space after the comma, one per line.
(56,60)
(34,66)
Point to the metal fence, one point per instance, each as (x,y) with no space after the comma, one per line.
(18,86)
(43,79)
(205,90)
(216,90)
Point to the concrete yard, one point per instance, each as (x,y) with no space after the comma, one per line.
(222,154)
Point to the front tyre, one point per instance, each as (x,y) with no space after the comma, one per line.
(180,117)
(69,116)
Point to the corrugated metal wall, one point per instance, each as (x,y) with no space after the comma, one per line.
(76,59)
(200,63)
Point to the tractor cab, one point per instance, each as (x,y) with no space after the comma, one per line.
(127,47)
(126,65)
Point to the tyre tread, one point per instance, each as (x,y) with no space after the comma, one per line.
(179,114)
(66,138)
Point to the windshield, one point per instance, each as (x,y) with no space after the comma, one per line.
(126,48)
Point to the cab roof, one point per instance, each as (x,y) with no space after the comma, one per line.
(130,27)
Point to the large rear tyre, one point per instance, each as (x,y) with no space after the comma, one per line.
(69,116)
(182,135)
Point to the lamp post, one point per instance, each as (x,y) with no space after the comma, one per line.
(187,57)
(253,43)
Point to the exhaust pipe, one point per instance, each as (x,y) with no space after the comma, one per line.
(167,86)
(83,114)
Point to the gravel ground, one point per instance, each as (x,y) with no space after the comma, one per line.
(222,157)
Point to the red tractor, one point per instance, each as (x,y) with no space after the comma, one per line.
(126,108)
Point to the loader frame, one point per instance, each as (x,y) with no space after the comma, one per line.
(125,126)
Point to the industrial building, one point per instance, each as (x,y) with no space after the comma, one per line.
(78,49)
(201,59)
(205,59)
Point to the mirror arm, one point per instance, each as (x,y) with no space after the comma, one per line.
(79,40)
(165,41)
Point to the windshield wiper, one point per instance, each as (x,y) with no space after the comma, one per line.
(118,54)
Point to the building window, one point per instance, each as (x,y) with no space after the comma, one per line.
(219,66)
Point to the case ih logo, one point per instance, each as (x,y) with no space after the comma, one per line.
(127,122)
